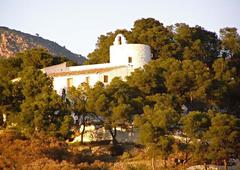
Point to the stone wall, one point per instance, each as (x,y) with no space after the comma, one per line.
(93,133)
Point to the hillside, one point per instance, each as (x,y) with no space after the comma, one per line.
(12,41)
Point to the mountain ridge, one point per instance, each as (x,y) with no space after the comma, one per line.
(13,41)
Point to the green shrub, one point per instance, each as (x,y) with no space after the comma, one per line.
(126,155)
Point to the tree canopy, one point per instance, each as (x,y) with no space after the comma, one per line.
(185,100)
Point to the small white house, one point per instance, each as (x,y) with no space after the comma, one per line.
(124,58)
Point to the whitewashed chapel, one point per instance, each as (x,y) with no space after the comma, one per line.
(124,58)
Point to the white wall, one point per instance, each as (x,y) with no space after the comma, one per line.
(60,83)
(119,54)
(91,66)
(118,72)
(98,134)
(140,53)
(56,68)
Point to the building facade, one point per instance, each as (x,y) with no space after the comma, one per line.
(124,58)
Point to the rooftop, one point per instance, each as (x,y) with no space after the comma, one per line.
(85,71)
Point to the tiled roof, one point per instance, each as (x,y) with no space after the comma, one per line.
(85,71)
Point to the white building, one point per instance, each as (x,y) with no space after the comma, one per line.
(124,58)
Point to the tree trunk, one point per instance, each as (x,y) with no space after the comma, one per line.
(225,164)
(186,155)
(83,130)
(191,98)
(153,163)
(165,163)
(82,133)
(186,158)
(205,166)
(114,134)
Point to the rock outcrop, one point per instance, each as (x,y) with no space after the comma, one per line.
(12,42)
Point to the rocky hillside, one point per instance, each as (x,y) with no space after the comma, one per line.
(12,41)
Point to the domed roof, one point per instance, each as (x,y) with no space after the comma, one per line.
(120,39)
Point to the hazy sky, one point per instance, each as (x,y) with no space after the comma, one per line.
(77,23)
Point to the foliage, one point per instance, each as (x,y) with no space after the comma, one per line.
(194,127)
(195,124)
(101,53)
(10,67)
(78,97)
(6,99)
(179,41)
(152,32)
(115,104)
(66,126)
(78,100)
(42,152)
(223,137)
(149,80)
(230,42)
(190,90)
(126,155)
(189,82)
(156,124)
(41,107)
(223,91)
(196,43)
(161,114)
(37,58)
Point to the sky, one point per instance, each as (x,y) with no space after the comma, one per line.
(76,24)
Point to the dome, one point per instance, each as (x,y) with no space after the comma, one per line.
(120,39)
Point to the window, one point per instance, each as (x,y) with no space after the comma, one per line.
(69,82)
(87,80)
(105,79)
(129,59)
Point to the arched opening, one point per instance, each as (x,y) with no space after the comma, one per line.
(119,40)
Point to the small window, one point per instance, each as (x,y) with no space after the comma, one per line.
(119,40)
(129,59)
(69,82)
(87,80)
(105,79)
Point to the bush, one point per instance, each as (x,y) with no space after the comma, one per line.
(126,155)
(116,150)
(42,152)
